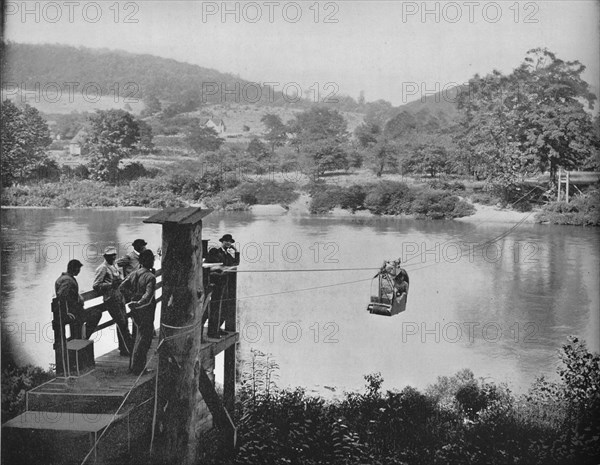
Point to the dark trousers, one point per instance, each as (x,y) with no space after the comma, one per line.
(143,319)
(91,318)
(116,309)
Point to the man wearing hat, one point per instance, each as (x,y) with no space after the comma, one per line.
(106,282)
(131,261)
(71,303)
(223,254)
(218,306)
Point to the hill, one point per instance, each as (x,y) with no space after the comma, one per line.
(113,74)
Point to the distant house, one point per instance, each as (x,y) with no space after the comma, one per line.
(215,123)
(77,142)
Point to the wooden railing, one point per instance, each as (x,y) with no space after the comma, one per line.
(58,326)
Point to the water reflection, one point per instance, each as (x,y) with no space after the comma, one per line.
(501,309)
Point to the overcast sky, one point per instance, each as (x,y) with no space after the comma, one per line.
(391,50)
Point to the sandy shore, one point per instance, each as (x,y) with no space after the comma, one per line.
(493,214)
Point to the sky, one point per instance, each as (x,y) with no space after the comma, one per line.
(393,50)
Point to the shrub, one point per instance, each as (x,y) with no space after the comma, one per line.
(266,193)
(16,381)
(353,198)
(583,210)
(389,198)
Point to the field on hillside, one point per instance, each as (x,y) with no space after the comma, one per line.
(65,102)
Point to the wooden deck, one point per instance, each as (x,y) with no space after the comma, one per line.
(66,416)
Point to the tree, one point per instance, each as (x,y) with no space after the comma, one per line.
(202,139)
(321,134)
(276,134)
(530,121)
(381,155)
(145,144)
(25,136)
(257,150)
(113,135)
(401,125)
(368,133)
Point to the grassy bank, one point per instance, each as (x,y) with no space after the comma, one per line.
(160,192)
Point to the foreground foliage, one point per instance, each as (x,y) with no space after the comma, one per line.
(458,420)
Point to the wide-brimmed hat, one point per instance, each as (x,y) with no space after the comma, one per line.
(139,242)
(227,237)
(110,250)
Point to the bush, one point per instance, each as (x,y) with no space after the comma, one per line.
(135,170)
(389,198)
(16,381)
(583,210)
(437,205)
(353,198)
(266,193)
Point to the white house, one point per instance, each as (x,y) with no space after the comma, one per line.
(215,123)
(77,142)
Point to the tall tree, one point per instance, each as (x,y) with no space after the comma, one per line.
(113,136)
(25,136)
(532,120)
(321,134)
(202,139)
(276,134)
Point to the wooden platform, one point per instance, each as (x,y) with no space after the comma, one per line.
(65,416)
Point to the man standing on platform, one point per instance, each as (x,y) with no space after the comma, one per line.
(138,289)
(71,303)
(106,282)
(131,261)
(226,256)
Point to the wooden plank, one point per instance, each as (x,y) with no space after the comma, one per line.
(60,421)
(217,409)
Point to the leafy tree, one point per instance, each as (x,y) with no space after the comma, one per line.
(257,150)
(25,136)
(321,134)
(326,156)
(145,144)
(381,155)
(202,139)
(113,136)
(276,134)
(532,120)
(368,133)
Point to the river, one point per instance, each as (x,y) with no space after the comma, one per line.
(495,299)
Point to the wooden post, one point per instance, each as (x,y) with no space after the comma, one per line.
(179,399)
(60,341)
(567,188)
(230,325)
